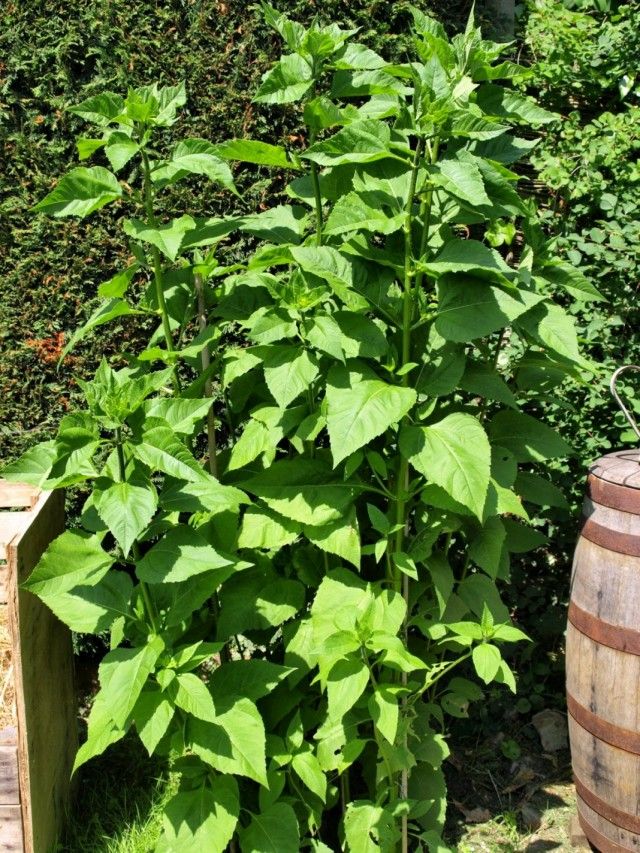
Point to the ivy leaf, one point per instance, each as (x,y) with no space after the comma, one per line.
(181,554)
(455,454)
(274,831)
(360,408)
(81,192)
(168,238)
(126,508)
(76,557)
(235,743)
(289,80)
(201,819)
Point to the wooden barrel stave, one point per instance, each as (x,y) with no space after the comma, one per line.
(603,657)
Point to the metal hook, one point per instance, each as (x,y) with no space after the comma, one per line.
(616,396)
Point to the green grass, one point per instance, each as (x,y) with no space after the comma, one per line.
(118,803)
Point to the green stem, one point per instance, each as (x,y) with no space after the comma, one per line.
(315,179)
(146,595)
(425,214)
(158,269)
(208,386)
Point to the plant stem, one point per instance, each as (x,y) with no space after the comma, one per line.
(315,179)
(158,269)
(146,595)
(208,386)
(425,214)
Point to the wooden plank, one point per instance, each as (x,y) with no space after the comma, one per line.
(11,839)
(4,582)
(18,494)
(9,784)
(45,695)
(12,525)
(577,838)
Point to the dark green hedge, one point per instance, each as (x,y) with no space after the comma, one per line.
(56,53)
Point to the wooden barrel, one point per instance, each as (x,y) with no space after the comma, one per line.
(603,656)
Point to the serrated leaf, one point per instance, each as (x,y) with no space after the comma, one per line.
(288,372)
(264,530)
(123,674)
(462,180)
(274,831)
(369,828)
(202,819)
(340,537)
(455,454)
(253,151)
(152,715)
(305,765)
(119,149)
(168,238)
(100,109)
(385,712)
(527,438)
(126,508)
(469,256)
(75,557)
(346,683)
(360,408)
(289,80)
(486,660)
(81,192)
(181,554)
(360,142)
(92,609)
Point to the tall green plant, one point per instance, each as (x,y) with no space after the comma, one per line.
(372,356)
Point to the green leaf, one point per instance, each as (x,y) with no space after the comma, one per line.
(101,731)
(258,599)
(119,149)
(235,743)
(361,142)
(202,819)
(266,531)
(369,828)
(123,674)
(92,609)
(162,451)
(455,454)
(469,256)
(253,679)
(126,508)
(538,490)
(482,379)
(385,712)
(284,223)
(470,309)
(101,109)
(81,192)
(168,238)
(555,330)
(34,466)
(346,683)
(152,715)
(526,437)
(179,555)
(462,180)
(352,213)
(507,103)
(253,151)
(274,831)
(563,274)
(195,157)
(328,264)
(191,694)
(87,147)
(340,537)
(288,372)
(181,414)
(323,333)
(360,408)
(206,496)
(289,80)
(304,490)
(104,313)
(75,557)
(486,660)
(306,766)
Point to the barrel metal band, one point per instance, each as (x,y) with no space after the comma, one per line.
(613,495)
(614,636)
(621,738)
(612,540)
(600,841)
(624,820)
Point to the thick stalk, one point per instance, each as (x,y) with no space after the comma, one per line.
(146,595)
(315,179)
(425,214)
(158,269)
(208,386)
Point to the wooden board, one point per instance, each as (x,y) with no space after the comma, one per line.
(11,830)
(45,695)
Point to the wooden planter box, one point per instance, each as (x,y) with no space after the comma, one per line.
(38,729)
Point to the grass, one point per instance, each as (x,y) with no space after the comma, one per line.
(118,803)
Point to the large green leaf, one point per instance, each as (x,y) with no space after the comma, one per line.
(126,508)
(510,104)
(181,554)
(202,819)
(462,180)
(469,256)
(288,81)
(152,714)
(526,437)
(34,465)
(162,451)
(100,109)
(258,599)
(168,238)
(235,743)
(252,679)
(470,309)
(92,609)
(305,490)
(288,372)
(75,557)
(555,330)
(352,213)
(123,674)
(181,414)
(328,264)
(205,496)
(369,828)
(264,530)
(361,142)
(455,454)
(274,831)
(340,537)
(81,192)
(360,408)
(253,151)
